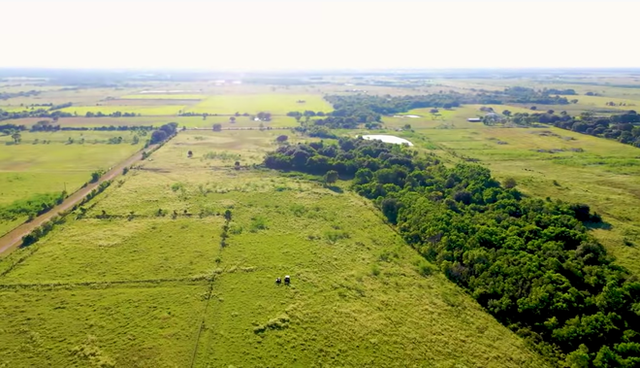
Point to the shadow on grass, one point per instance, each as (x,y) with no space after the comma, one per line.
(598,225)
(334,189)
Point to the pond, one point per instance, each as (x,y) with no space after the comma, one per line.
(387,139)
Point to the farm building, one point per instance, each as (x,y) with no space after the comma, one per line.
(474,120)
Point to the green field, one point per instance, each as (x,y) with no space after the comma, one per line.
(178,298)
(143,276)
(33,167)
(163,96)
(277,104)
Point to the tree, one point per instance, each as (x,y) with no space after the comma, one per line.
(534,108)
(330,177)
(158,136)
(217,127)
(227,215)
(135,140)
(282,138)
(509,183)
(407,127)
(16,137)
(232,120)
(506,113)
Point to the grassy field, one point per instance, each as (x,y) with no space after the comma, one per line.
(277,104)
(31,168)
(128,286)
(163,96)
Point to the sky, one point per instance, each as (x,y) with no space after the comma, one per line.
(312,34)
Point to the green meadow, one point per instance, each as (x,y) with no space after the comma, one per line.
(47,162)
(141,276)
(277,104)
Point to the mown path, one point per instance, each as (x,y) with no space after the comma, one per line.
(14,237)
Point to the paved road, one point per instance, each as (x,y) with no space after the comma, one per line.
(14,238)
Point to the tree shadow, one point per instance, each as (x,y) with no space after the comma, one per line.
(334,189)
(598,225)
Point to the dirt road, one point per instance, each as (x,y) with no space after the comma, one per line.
(13,238)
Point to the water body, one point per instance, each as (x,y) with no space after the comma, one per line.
(407,116)
(387,139)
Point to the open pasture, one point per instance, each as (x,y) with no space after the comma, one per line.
(277,104)
(35,167)
(150,251)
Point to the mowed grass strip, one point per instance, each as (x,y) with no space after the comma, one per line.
(122,326)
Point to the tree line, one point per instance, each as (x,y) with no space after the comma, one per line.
(625,127)
(529,262)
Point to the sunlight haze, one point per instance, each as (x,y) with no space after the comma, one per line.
(319,35)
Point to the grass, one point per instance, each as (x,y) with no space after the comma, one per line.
(134,290)
(27,168)
(163,96)
(277,104)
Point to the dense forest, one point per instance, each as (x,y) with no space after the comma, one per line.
(530,262)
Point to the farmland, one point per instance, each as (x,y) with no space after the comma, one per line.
(277,104)
(190,298)
(174,264)
(53,162)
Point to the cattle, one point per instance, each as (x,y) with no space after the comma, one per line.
(287,280)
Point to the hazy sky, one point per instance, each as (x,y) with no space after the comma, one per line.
(318,34)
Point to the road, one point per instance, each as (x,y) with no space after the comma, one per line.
(14,238)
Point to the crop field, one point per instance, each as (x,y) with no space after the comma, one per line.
(277,104)
(144,276)
(35,167)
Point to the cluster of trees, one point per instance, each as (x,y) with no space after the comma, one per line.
(8,95)
(10,128)
(163,133)
(521,95)
(530,262)
(39,113)
(264,116)
(115,114)
(624,128)
(366,108)
(32,207)
(554,91)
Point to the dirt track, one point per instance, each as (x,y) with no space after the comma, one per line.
(14,237)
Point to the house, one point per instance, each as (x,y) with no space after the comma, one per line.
(474,120)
